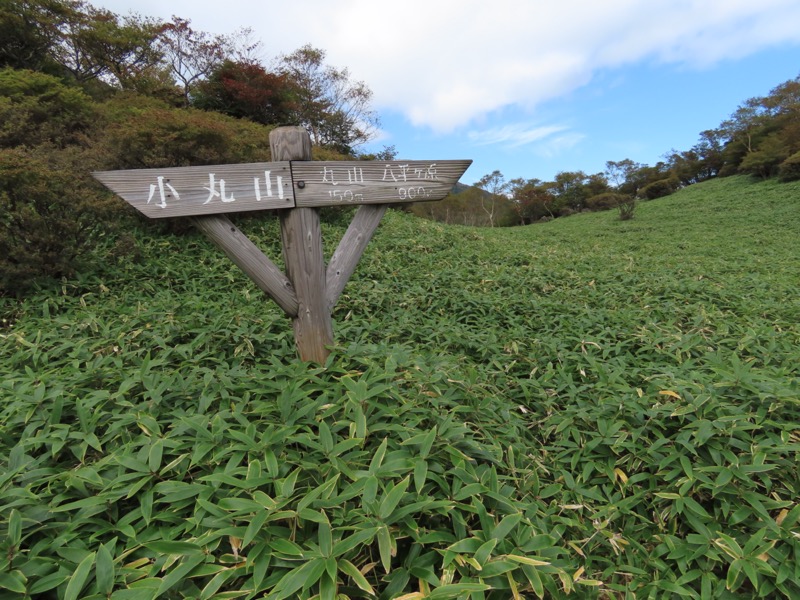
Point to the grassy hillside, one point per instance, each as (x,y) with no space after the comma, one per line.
(604,407)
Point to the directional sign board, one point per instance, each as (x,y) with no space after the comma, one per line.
(376,182)
(214,189)
(195,191)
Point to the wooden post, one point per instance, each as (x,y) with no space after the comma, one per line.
(302,252)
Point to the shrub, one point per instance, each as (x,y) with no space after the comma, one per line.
(50,213)
(626,208)
(146,133)
(659,188)
(606,201)
(36,108)
(790,168)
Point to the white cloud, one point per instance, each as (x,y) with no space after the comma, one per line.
(515,135)
(448,63)
(558,145)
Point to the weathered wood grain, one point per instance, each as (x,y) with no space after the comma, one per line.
(302,251)
(352,245)
(206,190)
(361,182)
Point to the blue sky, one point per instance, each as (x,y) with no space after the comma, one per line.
(529,87)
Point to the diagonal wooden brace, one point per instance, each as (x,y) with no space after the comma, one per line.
(250,259)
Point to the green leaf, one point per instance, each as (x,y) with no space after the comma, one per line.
(134,594)
(14,581)
(286,547)
(327,587)
(272,462)
(179,573)
(287,486)
(90,502)
(498,566)
(302,577)
(79,578)
(318,492)
(49,582)
(505,526)
(377,459)
(325,437)
(456,590)
(734,579)
(217,581)
(349,569)
(483,553)
(254,527)
(14,527)
(146,504)
(668,495)
(470,545)
(420,474)
(696,508)
(427,443)
(392,499)
(154,455)
(533,577)
(174,547)
(528,560)
(325,538)
(361,537)
(104,570)
(385,547)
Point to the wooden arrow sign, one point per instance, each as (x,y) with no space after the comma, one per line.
(375,182)
(215,189)
(196,191)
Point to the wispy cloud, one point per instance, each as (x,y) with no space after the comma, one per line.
(513,135)
(546,141)
(557,145)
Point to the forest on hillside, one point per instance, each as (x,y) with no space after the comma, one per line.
(83,89)
(761,139)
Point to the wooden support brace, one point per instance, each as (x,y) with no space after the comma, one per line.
(352,245)
(249,258)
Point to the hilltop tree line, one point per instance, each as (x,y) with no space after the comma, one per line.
(83,89)
(761,138)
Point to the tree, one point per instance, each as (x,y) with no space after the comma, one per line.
(624,175)
(247,90)
(495,187)
(533,200)
(98,44)
(191,55)
(571,188)
(765,160)
(387,153)
(790,168)
(29,31)
(333,108)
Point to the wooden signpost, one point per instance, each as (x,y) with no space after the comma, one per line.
(309,290)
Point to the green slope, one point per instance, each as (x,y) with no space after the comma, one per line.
(592,404)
